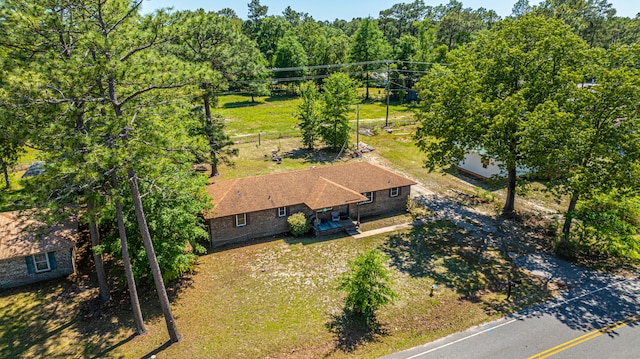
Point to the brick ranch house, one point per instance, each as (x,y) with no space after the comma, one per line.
(29,253)
(334,198)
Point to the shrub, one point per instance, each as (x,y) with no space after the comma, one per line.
(298,224)
(367,284)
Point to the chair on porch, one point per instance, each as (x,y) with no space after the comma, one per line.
(335,216)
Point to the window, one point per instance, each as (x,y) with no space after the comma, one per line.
(41,262)
(282,211)
(241,220)
(369,196)
(394,192)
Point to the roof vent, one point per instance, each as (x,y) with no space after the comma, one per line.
(269,198)
(238,193)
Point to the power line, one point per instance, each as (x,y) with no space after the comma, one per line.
(353,64)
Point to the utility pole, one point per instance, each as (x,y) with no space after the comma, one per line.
(386,121)
(357,127)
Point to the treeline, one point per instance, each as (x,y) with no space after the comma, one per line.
(408,32)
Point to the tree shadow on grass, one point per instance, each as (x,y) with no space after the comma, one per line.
(240,104)
(322,156)
(97,320)
(282,97)
(39,316)
(352,330)
(450,256)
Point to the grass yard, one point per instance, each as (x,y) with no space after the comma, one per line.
(276,114)
(277,299)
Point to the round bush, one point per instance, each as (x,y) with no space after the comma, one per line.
(298,224)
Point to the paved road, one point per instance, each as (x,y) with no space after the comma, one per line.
(597,317)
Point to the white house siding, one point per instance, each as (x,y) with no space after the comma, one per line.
(472,164)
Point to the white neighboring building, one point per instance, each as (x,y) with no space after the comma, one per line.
(475,166)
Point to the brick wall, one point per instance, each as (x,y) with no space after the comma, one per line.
(383,203)
(13,271)
(259,224)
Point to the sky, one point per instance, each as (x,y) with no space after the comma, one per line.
(348,9)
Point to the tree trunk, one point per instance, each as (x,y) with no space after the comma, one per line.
(5,171)
(153,261)
(209,127)
(214,165)
(563,247)
(103,286)
(131,281)
(568,219)
(366,97)
(509,206)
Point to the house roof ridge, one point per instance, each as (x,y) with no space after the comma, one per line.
(339,185)
(272,174)
(233,182)
(318,191)
(317,194)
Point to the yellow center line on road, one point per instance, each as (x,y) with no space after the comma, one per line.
(583,338)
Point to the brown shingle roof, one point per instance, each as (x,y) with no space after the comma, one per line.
(21,237)
(327,194)
(317,188)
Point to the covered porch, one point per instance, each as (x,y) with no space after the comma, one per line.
(327,221)
(335,208)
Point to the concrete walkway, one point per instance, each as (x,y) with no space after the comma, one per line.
(373,232)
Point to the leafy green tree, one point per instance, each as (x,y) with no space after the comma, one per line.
(407,48)
(338,47)
(12,142)
(400,20)
(12,131)
(486,97)
(289,53)
(313,39)
(588,18)
(257,13)
(172,210)
(309,113)
(458,25)
(591,143)
(369,44)
(339,93)
(269,33)
(520,8)
(294,17)
(609,225)
(368,284)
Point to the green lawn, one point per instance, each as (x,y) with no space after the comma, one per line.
(276,114)
(277,299)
